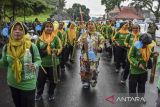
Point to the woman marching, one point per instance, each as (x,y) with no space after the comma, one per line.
(129,41)
(121,51)
(91,43)
(49,47)
(138,56)
(63,37)
(71,40)
(22,59)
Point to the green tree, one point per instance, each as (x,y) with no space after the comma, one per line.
(39,6)
(74,12)
(61,4)
(15,5)
(21,7)
(51,3)
(149,5)
(110,4)
(13,8)
(3,5)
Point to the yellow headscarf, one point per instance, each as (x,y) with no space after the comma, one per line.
(16,49)
(146,52)
(135,36)
(47,39)
(72,33)
(122,30)
(56,25)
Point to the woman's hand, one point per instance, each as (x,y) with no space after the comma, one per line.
(129,46)
(141,66)
(31,66)
(117,44)
(54,52)
(156,54)
(99,49)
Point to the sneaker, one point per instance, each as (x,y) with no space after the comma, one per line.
(38,97)
(71,60)
(86,85)
(62,69)
(83,81)
(122,82)
(51,98)
(117,70)
(93,83)
(144,101)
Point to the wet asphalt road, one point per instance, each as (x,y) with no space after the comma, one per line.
(70,93)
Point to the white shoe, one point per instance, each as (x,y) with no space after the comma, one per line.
(117,70)
(86,85)
(123,82)
(51,98)
(93,83)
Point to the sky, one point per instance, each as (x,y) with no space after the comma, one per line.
(96,9)
(94,5)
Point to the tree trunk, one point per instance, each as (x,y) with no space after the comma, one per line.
(13,12)
(157,19)
(24,14)
(156,14)
(119,7)
(107,15)
(1,15)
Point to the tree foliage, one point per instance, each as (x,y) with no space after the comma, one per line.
(149,5)
(24,7)
(61,4)
(110,4)
(74,12)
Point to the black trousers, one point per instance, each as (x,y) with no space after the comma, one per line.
(65,53)
(125,73)
(137,83)
(62,59)
(59,71)
(41,80)
(23,98)
(109,48)
(114,53)
(158,99)
(69,52)
(121,54)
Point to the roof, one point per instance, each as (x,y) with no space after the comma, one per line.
(115,10)
(128,13)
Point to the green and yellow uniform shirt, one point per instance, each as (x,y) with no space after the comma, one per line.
(24,84)
(120,38)
(135,58)
(130,40)
(42,46)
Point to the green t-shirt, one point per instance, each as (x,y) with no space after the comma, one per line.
(47,59)
(120,38)
(135,58)
(25,84)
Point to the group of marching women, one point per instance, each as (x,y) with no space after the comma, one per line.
(131,50)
